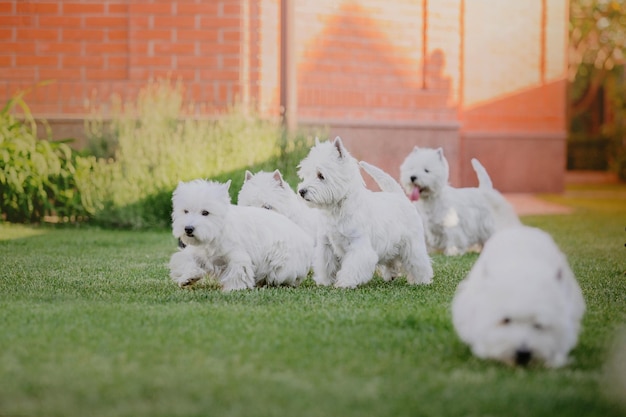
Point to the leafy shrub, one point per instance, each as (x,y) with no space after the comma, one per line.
(37,177)
(156,141)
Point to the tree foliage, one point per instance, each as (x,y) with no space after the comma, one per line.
(597,88)
(597,47)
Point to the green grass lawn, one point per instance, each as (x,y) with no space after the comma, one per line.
(91,325)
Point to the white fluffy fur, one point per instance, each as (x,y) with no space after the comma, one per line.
(520,302)
(241,247)
(457,220)
(270,191)
(362,228)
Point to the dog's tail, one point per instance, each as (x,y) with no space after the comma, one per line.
(384,180)
(484,181)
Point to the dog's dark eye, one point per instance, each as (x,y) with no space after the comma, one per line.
(538,326)
(205,213)
(267,207)
(320,176)
(426,170)
(186,211)
(505,321)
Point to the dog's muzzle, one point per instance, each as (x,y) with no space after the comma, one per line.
(189,230)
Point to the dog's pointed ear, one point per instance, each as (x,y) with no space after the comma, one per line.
(317,141)
(248,176)
(227,186)
(278,178)
(338,144)
(440,153)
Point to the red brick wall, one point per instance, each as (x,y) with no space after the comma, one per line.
(365,61)
(98,46)
(471,76)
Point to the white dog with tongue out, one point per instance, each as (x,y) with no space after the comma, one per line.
(457,220)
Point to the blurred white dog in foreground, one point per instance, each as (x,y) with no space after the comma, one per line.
(242,247)
(520,302)
(361,228)
(457,220)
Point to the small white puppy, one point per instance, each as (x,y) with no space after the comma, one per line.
(242,247)
(270,191)
(458,220)
(520,302)
(362,228)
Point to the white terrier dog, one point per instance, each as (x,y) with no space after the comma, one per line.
(457,220)
(362,228)
(240,246)
(520,302)
(270,191)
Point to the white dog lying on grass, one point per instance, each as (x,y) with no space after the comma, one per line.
(520,302)
(242,247)
(270,191)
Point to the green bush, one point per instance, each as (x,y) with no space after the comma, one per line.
(157,141)
(37,177)
(135,160)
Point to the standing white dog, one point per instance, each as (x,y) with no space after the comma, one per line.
(240,246)
(520,302)
(271,192)
(457,220)
(362,228)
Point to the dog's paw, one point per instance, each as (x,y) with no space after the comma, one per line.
(558,360)
(238,278)
(410,279)
(182,283)
(322,280)
(452,251)
(235,286)
(186,277)
(387,273)
(342,283)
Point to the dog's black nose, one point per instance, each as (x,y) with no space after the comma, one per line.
(413,178)
(189,230)
(302,192)
(523,356)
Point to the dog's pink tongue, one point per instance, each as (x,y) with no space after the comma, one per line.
(415,194)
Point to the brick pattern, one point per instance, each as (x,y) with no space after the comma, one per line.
(363,62)
(472,76)
(366,60)
(92,48)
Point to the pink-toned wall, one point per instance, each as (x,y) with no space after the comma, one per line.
(481,78)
